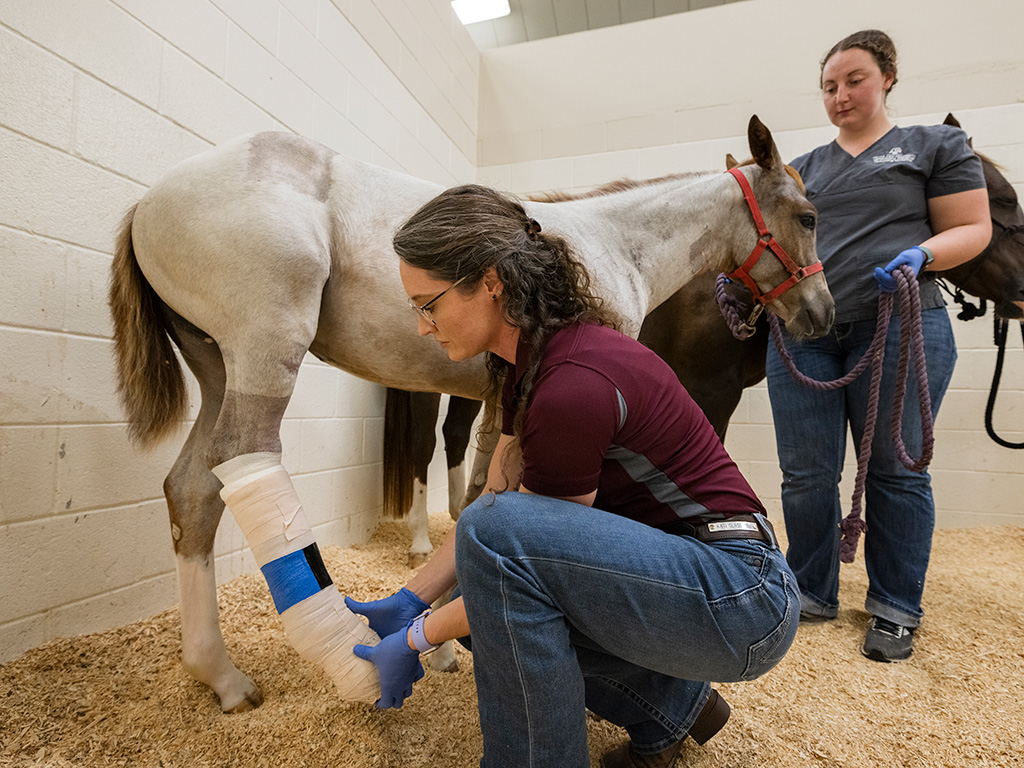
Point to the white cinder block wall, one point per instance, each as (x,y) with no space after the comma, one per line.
(98,98)
(674,94)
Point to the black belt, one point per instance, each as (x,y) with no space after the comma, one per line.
(735,527)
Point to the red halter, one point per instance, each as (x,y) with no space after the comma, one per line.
(766,241)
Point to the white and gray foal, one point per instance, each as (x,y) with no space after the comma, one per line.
(255,252)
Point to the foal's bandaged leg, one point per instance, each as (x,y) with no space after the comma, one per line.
(318,624)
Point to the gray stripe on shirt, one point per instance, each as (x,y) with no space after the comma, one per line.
(639,468)
(623,411)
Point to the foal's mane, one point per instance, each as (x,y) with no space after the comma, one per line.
(621,185)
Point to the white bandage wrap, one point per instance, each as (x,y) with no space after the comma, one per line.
(323,630)
(262,499)
(266,508)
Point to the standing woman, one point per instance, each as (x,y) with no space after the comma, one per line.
(882,191)
(619,561)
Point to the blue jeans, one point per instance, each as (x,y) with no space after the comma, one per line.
(810,431)
(573,607)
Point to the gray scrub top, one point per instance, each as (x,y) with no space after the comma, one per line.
(873,206)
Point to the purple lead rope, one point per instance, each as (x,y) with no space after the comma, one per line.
(911,341)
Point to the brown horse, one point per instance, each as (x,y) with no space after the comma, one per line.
(997,273)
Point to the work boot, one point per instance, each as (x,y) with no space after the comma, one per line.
(712,717)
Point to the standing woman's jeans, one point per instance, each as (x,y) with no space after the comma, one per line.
(570,606)
(810,431)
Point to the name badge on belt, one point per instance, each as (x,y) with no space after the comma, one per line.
(733,525)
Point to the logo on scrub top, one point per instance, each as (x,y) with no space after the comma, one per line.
(895,155)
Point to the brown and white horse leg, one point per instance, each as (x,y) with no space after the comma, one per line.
(457,431)
(488,441)
(443,659)
(260,376)
(424,407)
(195,510)
(423,425)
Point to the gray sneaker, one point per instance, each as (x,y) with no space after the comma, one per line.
(888,641)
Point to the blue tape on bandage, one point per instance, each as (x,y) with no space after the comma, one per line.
(295,577)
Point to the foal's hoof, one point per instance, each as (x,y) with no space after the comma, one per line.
(416,559)
(251,700)
(443,666)
(444,659)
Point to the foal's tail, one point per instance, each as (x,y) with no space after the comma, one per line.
(398,460)
(149,377)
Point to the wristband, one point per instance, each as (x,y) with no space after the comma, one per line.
(929,257)
(418,638)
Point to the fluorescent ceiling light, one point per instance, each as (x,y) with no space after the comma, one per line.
(472,11)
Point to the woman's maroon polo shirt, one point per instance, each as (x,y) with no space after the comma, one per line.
(607,413)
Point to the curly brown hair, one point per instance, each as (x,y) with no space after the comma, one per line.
(874,41)
(465,231)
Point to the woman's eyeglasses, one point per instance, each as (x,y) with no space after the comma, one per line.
(425,309)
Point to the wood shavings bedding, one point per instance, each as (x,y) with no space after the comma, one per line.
(121,698)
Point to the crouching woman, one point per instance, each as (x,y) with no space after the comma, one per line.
(619,562)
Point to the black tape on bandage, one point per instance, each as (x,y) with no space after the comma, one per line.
(316,565)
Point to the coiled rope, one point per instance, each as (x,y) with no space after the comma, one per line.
(732,309)
(911,343)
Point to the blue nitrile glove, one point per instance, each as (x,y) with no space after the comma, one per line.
(398,665)
(912,257)
(389,614)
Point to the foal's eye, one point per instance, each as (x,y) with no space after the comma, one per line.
(808,220)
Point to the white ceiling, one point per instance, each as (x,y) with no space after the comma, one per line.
(536,19)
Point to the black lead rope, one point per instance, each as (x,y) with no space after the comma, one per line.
(1000,326)
(969,311)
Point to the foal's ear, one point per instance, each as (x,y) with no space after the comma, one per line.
(730,161)
(762,145)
